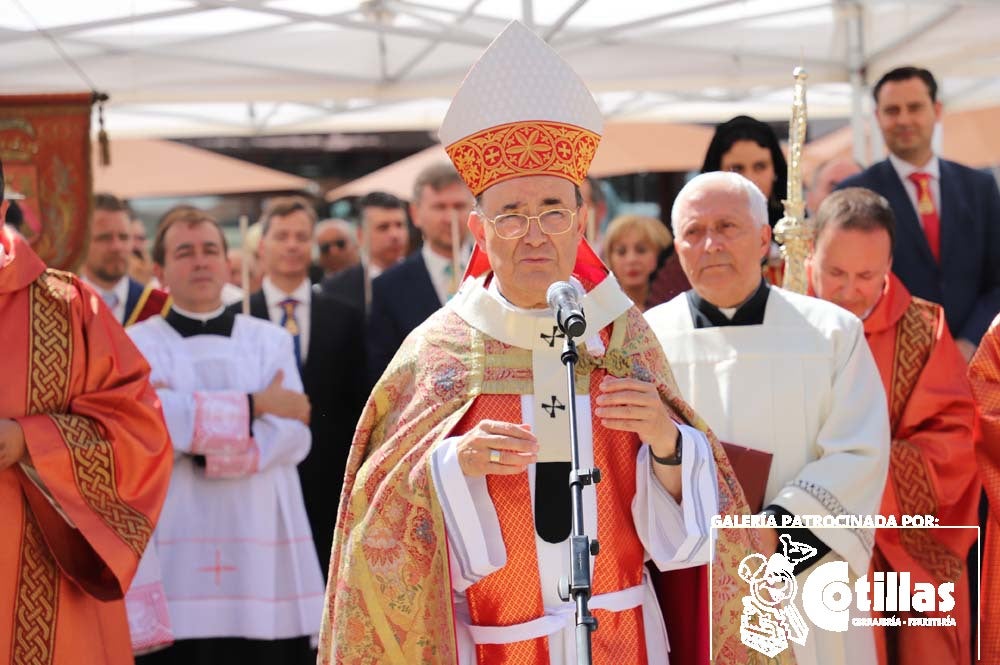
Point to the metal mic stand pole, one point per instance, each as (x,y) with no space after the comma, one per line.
(577,587)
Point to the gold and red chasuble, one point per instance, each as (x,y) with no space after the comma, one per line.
(984,374)
(932,470)
(512,594)
(98,445)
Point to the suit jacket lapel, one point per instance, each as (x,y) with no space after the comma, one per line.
(258,306)
(953,210)
(428,297)
(315,324)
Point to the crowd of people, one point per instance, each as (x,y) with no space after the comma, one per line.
(321,441)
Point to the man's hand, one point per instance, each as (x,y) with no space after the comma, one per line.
(966,348)
(512,448)
(12,446)
(281,402)
(631,405)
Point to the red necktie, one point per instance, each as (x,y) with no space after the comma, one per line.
(928,212)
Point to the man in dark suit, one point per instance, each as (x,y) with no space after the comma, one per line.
(406,294)
(947,246)
(106,265)
(384,237)
(327,335)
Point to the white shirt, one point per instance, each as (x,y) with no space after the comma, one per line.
(303,294)
(438,269)
(120,291)
(932,168)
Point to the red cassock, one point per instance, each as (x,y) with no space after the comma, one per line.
(984,374)
(931,471)
(99,447)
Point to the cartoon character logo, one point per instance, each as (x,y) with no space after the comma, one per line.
(770,617)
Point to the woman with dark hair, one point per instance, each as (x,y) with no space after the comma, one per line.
(750,147)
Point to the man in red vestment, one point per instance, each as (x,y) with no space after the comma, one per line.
(84,464)
(932,470)
(984,375)
(454,520)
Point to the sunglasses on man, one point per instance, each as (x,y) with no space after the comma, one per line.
(339,243)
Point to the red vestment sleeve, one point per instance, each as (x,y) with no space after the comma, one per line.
(105,458)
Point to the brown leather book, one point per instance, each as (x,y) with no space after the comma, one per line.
(752,468)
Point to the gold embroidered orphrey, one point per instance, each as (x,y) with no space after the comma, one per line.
(50,362)
(915,336)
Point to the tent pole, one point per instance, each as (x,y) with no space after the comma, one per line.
(854,29)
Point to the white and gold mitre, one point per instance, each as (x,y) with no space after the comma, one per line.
(521,110)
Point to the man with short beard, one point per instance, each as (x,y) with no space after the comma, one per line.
(107,262)
(409,292)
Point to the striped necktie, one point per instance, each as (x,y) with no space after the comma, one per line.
(291,324)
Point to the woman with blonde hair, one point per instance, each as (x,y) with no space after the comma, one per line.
(634,244)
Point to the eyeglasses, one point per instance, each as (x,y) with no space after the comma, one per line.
(553,222)
(339,243)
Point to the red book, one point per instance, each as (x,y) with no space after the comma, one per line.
(752,468)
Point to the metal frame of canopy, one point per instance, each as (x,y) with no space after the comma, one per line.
(197,67)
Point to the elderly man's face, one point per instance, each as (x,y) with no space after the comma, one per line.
(849,267)
(525,267)
(337,250)
(719,244)
(827,180)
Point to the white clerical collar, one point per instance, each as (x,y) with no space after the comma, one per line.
(274,295)
(904,168)
(199,316)
(485,309)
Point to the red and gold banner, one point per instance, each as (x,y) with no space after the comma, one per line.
(45,149)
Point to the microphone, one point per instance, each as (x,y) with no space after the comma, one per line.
(564,301)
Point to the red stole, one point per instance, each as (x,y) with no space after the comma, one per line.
(512,594)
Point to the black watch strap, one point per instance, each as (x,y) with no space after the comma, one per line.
(673,460)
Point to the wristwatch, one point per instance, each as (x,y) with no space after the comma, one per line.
(673,460)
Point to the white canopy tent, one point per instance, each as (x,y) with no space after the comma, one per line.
(212,67)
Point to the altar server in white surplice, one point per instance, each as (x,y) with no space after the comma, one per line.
(782,373)
(240,572)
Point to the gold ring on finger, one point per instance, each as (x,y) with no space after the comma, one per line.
(494,456)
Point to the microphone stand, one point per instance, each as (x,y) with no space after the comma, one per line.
(577,587)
